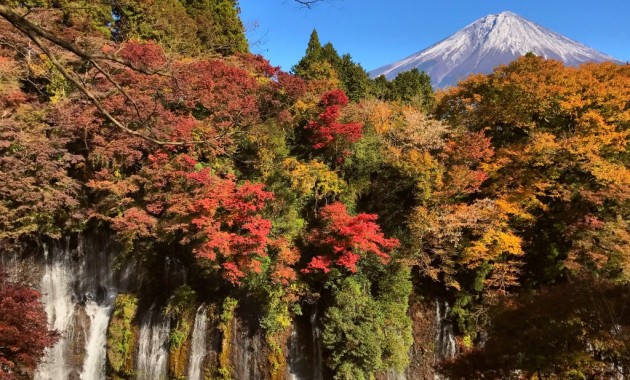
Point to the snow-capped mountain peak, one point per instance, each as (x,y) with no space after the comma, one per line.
(488,42)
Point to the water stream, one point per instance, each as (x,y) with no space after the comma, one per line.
(152,361)
(198,346)
(57,297)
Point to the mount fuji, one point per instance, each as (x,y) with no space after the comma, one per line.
(487,43)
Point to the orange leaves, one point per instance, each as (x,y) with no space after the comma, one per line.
(560,141)
(468,236)
(286,257)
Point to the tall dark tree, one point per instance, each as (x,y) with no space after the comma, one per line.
(354,79)
(413,87)
(382,88)
(227,28)
(313,54)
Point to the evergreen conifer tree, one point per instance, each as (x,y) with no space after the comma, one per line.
(313,54)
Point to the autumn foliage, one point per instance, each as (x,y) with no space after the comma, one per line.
(347,238)
(24,330)
(328,131)
(511,185)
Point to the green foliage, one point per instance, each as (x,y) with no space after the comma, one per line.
(393,291)
(353,331)
(227,33)
(224,371)
(228,309)
(181,310)
(410,87)
(355,80)
(313,55)
(190,27)
(319,60)
(277,316)
(364,332)
(122,337)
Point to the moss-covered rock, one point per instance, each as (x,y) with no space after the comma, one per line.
(181,309)
(122,336)
(277,358)
(225,371)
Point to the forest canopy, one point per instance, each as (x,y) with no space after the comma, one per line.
(507,195)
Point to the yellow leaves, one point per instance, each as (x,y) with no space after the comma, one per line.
(508,208)
(267,161)
(542,148)
(411,162)
(508,243)
(473,235)
(313,178)
(492,245)
(609,172)
(376,114)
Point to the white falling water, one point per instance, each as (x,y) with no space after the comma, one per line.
(153,347)
(294,353)
(77,281)
(57,298)
(198,348)
(99,293)
(445,346)
(96,346)
(393,375)
(318,373)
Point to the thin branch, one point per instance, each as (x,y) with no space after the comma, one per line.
(307,3)
(33,32)
(23,25)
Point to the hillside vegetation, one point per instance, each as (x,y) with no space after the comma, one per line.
(508,195)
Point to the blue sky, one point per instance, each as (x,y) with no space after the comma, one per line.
(376,32)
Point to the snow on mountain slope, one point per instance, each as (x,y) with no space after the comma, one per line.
(487,43)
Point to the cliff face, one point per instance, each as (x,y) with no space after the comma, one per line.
(109,331)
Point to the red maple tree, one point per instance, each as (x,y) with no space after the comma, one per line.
(346,238)
(24,333)
(328,131)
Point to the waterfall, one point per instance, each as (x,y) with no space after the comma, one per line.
(304,357)
(393,375)
(246,355)
(445,346)
(318,364)
(96,345)
(198,347)
(78,292)
(98,292)
(445,337)
(153,346)
(57,297)
(294,353)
